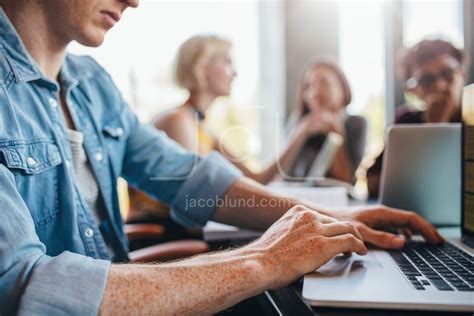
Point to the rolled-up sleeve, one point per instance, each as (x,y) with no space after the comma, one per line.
(32,282)
(198,197)
(162,168)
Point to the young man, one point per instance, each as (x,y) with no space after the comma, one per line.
(66,135)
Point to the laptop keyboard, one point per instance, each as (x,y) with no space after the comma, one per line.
(444,267)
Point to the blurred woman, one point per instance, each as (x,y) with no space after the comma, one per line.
(434,72)
(324,94)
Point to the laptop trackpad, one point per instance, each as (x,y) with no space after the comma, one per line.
(344,265)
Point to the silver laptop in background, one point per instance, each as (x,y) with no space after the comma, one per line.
(422,171)
(420,276)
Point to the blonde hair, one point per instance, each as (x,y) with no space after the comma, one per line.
(193,55)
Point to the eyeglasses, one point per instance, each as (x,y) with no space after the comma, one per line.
(427,81)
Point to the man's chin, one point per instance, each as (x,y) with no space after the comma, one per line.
(92,40)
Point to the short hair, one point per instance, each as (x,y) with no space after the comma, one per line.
(426,50)
(330,63)
(193,55)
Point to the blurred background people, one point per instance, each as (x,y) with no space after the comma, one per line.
(204,68)
(324,94)
(434,73)
(272,49)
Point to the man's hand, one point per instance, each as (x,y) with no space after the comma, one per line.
(302,241)
(371,223)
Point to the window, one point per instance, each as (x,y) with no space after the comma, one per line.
(440,19)
(362,57)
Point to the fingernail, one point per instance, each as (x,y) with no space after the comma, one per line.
(398,242)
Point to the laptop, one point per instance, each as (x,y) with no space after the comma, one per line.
(421,159)
(418,277)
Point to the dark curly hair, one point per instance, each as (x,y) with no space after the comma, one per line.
(426,50)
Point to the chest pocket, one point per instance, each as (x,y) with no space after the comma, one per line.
(34,165)
(114,137)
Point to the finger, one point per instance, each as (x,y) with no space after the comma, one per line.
(422,226)
(382,239)
(341,228)
(326,219)
(348,243)
(404,219)
(406,232)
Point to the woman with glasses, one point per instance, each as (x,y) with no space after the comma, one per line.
(434,74)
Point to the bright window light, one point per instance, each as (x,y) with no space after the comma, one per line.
(440,19)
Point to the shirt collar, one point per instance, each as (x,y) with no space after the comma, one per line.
(23,65)
(72,72)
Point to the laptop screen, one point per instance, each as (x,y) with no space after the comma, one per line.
(468,165)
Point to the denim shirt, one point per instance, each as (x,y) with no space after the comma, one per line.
(53,257)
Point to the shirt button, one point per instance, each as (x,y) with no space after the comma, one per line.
(119,131)
(98,156)
(89,232)
(53,102)
(68,164)
(31,162)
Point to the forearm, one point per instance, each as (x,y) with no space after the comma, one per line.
(341,167)
(281,165)
(285,161)
(249,204)
(202,285)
